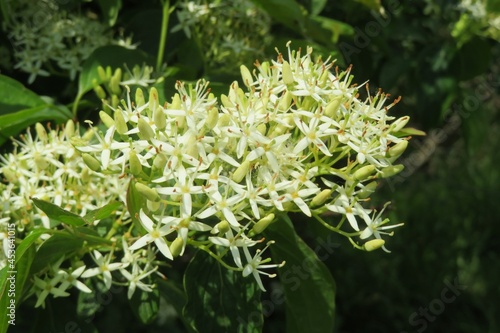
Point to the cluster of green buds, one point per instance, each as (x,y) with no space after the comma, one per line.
(216,172)
(110,88)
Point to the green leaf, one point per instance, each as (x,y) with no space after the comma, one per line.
(334,27)
(310,295)
(372,4)
(14,96)
(58,245)
(58,215)
(145,305)
(220,300)
(4,300)
(176,298)
(110,10)
(13,123)
(103,212)
(472,59)
(111,55)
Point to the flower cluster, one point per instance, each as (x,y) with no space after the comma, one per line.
(217,174)
(229,32)
(46,37)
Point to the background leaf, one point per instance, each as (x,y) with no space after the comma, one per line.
(58,215)
(14,96)
(145,305)
(220,300)
(310,296)
(110,10)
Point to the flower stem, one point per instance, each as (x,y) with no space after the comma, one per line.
(163,36)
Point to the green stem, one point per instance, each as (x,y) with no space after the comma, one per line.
(75,105)
(163,36)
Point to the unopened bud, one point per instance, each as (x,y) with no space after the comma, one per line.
(399,123)
(176,102)
(246,76)
(224,120)
(121,124)
(364,172)
(222,227)
(226,102)
(145,131)
(287,73)
(100,92)
(139,98)
(135,163)
(114,85)
(153,99)
(391,170)
(115,101)
(262,128)
(262,224)
(285,101)
(264,67)
(148,192)
(373,244)
(321,198)
(69,129)
(160,162)
(176,247)
(241,171)
(106,119)
(91,162)
(159,118)
(398,149)
(41,132)
(212,118)
(332,107)
(102,74)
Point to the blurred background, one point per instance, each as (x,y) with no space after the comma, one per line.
(443,58)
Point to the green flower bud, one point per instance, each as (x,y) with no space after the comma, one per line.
(121,124)
(321,198)
(332,107)
(262,224)
(287,73)
(91,162)
(285,101)
(373,244)
(146,191)
(145,131)
(246,76)
(114,85)
(115,101)
(102,74)
(176,102)
(69,129)
(86,176)
(398,149)
(399,124)
(100,92)
(106,119)
(366,191)
(160,162)
(212,118)
(264,67)
(391,170)
(139,97)
(364,172)
(41,132)
(224,120)
(226,102)
(222,226)
(176,247)
(135,163)
(153,99)
(241,172)
(159,118)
